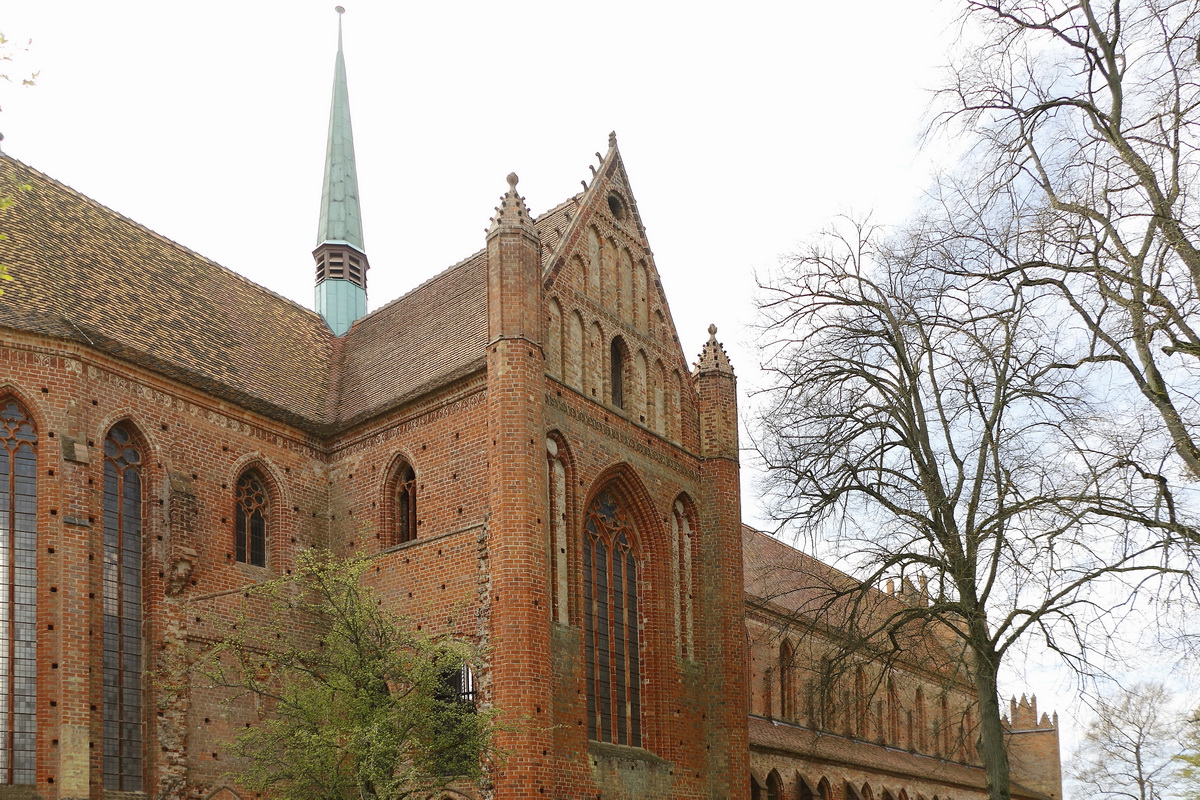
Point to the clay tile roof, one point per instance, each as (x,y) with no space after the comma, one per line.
(432,335)
(88,274)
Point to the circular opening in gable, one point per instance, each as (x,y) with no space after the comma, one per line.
(616,206)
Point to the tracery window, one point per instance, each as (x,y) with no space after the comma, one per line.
(404,504)
(610,599)
(122,613)
(253,511)
(18,597)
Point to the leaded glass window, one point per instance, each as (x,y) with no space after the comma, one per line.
(253,509)
(18,597)
(610,599)
(405,504)
(122,613)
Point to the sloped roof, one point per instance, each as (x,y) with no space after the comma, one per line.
(831,749)
(88,274)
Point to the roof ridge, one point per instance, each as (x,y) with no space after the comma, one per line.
(168,240)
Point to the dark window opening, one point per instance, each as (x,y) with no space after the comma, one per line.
(616,207)
(455,724)
(405,508)
(253,508)
(617,362)
(122,673)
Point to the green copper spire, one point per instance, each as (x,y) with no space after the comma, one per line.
(341,218)
(341,295)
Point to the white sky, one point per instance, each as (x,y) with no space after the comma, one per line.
(745,127)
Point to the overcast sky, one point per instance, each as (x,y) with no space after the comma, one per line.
(745,127)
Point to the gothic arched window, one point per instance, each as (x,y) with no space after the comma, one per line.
(122,613)
(404,504)
(774,786)
(18,597)
(253,510)
(610,616)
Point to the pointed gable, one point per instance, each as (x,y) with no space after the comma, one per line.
(604,295)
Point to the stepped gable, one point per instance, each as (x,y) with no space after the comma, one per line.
(85,273)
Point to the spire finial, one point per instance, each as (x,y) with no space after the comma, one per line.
(512,181)
(712,334)
(340,10)
(612,139)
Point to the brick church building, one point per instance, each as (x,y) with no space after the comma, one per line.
(519,444)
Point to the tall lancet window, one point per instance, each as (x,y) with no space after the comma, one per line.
(18,597)
(122,613)
(610,625)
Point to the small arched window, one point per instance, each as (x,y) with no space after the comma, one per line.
(253,509)
(774,786)
(404,504)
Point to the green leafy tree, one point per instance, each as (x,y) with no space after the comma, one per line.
(359,704)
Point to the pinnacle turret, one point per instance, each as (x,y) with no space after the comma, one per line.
(511,213)
(341,294)
(713,357)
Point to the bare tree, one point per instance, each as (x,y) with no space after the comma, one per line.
(1087,118)
(927,421)
(1130,747)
